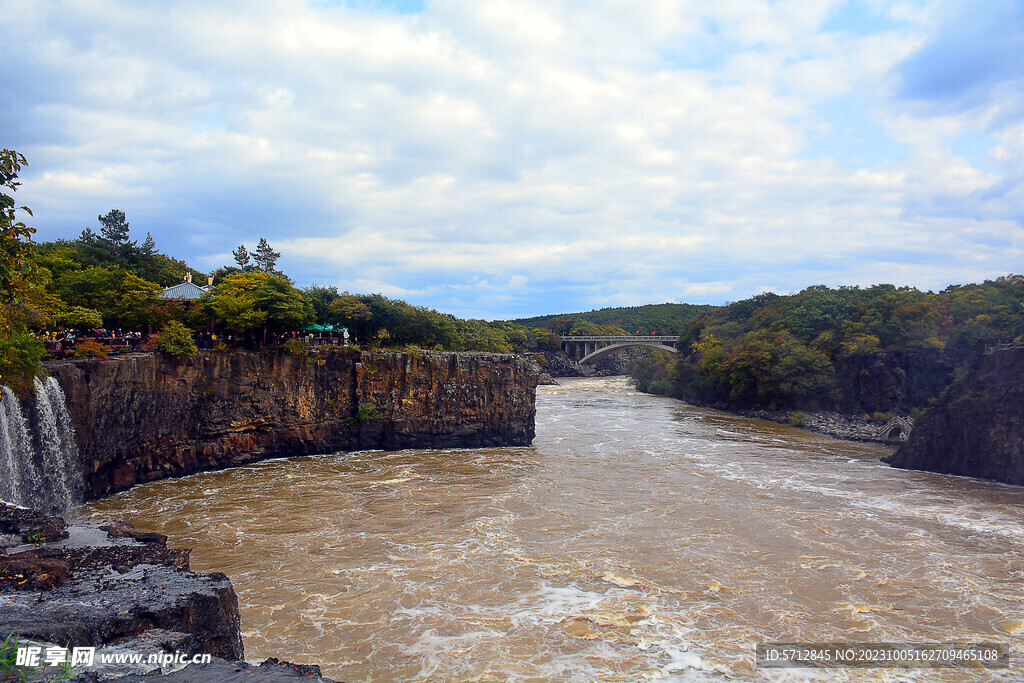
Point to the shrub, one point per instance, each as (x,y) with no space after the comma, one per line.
(365,413)
(89,348)
(20,357)
(176,340)
(296,346)
(541,359)
(798,419)
(879,416)
(660,387)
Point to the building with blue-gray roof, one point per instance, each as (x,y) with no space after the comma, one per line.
(187,290)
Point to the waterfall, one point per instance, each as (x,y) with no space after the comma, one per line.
(39,463)
(18,473)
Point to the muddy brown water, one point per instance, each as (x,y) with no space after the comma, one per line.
(639,538)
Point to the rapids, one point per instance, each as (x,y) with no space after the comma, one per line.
(638,538)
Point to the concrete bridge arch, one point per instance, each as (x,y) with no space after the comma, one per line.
(587,349)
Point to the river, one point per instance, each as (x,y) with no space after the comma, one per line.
(638,538)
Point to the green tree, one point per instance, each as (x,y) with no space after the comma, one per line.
(349,311)
(114,229)
(15,236)
(647,369)
(265,257)
(137,306)
(20,352)
(79,318)
(321,298)
(176,340)
(253,303)
(242,258)
(148,248)
(114,226)
(477,335)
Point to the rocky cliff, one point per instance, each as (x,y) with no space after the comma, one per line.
(893,380)
(119,592)
(977,427)
(147,416)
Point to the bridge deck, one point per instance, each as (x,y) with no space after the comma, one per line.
(618,340)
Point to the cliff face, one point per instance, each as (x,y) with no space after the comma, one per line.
(977,427)
(893,380)
(148,417)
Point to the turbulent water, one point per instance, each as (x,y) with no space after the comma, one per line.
(639,538)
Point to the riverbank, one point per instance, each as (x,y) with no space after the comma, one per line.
(111,591)
(836,425)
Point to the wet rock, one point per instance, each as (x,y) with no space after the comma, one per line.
(31,571)
(31,526)
(221,671)
(126,530)
(94,595)
(836,425)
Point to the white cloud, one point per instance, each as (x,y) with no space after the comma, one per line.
(655,149)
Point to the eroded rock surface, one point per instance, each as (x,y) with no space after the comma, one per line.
(976,428)
(90,595)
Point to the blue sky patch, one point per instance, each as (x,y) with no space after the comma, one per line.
(854,139)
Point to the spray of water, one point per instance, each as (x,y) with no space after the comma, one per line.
(39,461)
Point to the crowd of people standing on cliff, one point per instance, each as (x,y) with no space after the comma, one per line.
(61,343)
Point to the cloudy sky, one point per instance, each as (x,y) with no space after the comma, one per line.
(504,158)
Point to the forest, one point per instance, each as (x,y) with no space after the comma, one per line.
(807,349)
(652,318)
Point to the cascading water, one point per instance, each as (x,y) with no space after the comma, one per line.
(39,464)
(18,473)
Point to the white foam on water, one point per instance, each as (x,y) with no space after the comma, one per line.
(18,473)
(39,468)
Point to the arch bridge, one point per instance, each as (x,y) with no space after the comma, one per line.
(586,349)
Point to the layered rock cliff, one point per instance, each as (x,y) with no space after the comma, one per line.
(976,429)
(148,417)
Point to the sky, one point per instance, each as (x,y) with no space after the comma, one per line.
(500,159)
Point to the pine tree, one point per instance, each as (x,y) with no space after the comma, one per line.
(114,226)
(242,258)
(149,245)
(265,257)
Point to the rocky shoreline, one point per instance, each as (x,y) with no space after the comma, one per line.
(120,591)
(836,425)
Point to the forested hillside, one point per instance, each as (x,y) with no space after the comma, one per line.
(656,318)
(878,348)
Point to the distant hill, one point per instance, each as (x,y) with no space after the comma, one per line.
(661,318)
